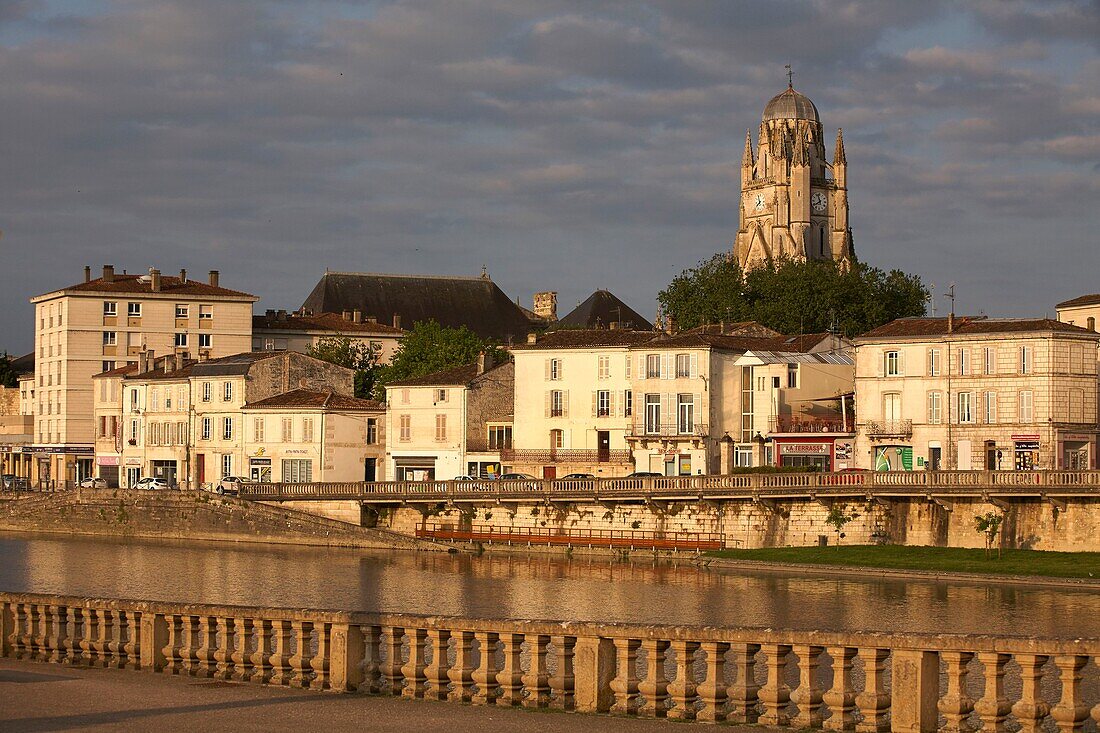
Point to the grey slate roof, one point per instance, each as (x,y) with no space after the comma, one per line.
(474,302)
(231,365)
(603,308)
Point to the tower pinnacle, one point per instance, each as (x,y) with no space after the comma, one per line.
(838,155)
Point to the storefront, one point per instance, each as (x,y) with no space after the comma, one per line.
(894,458)
(108,469)
(1025,451)
(817,455)
(259,470)
(672,463)
(166,470)
(1077,450)
(414,469)
(483,469)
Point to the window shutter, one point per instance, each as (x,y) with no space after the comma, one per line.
(616,406)
(628,363)
(668,414)
(561,369)
(547,403)
(694,366)
(641,366)
(564,403)
(880,364)
(595,401)
(901,362)
(547,365)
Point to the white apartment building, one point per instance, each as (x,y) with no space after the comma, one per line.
(282,331)
(976,393)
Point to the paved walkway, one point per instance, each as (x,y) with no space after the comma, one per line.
(46,697)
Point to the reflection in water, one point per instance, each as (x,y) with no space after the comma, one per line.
(514,586)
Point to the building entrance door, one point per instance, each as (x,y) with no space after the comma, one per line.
(370,469)
(133,475)
(935,456)
(603,446)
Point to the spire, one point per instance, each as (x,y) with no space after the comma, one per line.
(747,158)
(839,158)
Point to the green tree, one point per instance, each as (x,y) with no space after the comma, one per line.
(352,354)
(989,524)
(793,297)
(8,375)
(429,348)
(837,518)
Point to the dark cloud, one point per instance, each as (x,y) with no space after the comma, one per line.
(565,144)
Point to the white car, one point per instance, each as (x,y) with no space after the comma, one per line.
(230,485)
(150,483)
(93,482)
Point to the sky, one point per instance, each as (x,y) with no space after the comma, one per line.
(565,145)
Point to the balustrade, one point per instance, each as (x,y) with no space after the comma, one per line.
(616,668)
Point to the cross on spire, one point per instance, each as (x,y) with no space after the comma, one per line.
(790,76)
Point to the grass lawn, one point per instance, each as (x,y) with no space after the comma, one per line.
(936,559)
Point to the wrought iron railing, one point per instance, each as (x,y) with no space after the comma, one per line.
(889,428)
(691,431)
(806,424)
(565,455)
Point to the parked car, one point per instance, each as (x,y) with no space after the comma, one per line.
(7,482)
(230,485)
(465,477)
(22,483)
(578,477)
(518,477)
(644,474)
(151,483)
(93,482)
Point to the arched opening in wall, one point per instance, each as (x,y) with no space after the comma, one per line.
(821,240)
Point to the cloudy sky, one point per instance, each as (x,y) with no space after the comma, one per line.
(564,144)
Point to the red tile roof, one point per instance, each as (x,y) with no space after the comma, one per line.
(967,325)
(169,285)
(583,338)
(307,398)
(333,322)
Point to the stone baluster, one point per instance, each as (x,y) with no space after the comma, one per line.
(461,673)
(36,639)
(682,690)
(841,697)
(775,694)
(206,664)
(415,678)
(101,647)
(372,661)
(807,696)
(72,636)
(486,673)
(436,672)
(1031,708)
(19,620)
(394,663)
(58,623)
(88,638)
(713,690)
(301,671)
(281,671)
(562,683)
(994,707)
(116,647)
(1071,711)
(223,657)
(537,679)
(261,658)
(510,677)
(874,701)
(956,705)
(132,647)
(625,682)
(321,661)
(43,632)
(654,687)
(242,660)
(173,662)
(189,660)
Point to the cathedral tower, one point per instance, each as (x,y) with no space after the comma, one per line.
(794,203)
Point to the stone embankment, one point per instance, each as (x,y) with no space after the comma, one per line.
(189,515)
(844,681)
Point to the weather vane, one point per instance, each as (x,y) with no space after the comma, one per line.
(790,76)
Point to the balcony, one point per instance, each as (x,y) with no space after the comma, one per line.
(889,428)
(809,424)
(564,455)
(642,431)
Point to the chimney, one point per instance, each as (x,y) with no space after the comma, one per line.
(371,319)
(484,362)
(346,315)
(183,275)
(108,273)
(143,362)
(169,363)
(357,316)
(269,314)
(951,321)
(546,305)
(87,273)
(213,278)
(154,279)
(532,337)
(181,357)
(396,320)
(280,315)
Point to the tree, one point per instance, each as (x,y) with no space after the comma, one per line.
(430,348)
(8,375)
(792,296)
(989,524)
(837,518)
(346,352)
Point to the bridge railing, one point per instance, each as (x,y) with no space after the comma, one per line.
(742,484)
(844,681)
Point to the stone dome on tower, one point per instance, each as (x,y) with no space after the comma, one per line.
(790,105)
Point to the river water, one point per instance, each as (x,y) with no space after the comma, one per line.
(542,587)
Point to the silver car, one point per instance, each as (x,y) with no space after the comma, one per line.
(151,483)
(92,482)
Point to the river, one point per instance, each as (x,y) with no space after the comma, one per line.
(515,586)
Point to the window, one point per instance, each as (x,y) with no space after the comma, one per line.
(935,408)
(405,421)
(966,414)
(227,465)
(792,376)
(1026,359)
(207,428)
(685,414)
(372,430)
(989,360)
(182,310)
(933,362)
(110,338)
(892,363)
(133,399)
(133,310)
(628,403)
(1026,402)
(307,429)
(205,341)
(258,429)
(441,395)
(553,369)
(500,437)
(167,399)
(206,312)
(891,407)
(653,414)
(181,340)
(297,471)
(134,429)
(964,362)
(440,428)
(227,428)
(683,365)
(557,438)
(557,403)
(110,308)
(989,408)
(269,344)
(227,392)
(107,366)
(603,367)
(287,434)
(206,391)
(653,366)
(603,403)
(1091,323)
(154,400)
(405,396)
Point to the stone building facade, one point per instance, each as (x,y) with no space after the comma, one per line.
(282,331)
